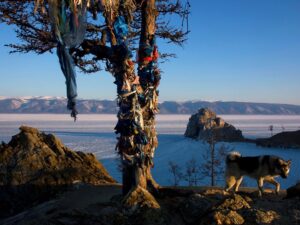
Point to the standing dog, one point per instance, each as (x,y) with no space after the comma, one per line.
(262,168)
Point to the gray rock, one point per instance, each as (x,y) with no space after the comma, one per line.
(205,124)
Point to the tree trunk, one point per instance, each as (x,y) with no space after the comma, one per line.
(137,100)
(149,79)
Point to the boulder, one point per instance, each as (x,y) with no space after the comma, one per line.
(227,217)
(205,125)
(35,167)
(235,202)
(33,157)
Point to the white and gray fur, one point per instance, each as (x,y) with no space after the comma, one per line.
(262,168)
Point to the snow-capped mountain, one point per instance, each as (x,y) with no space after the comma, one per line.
(47,104)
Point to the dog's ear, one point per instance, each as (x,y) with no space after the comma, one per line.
(289,162)
(279,161)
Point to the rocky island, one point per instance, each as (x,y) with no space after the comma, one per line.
(205,124)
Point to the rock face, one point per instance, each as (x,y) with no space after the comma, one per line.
(32,157)
(205,124)
(35,167)
(289,139)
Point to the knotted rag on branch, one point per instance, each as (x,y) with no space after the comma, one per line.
(68,19)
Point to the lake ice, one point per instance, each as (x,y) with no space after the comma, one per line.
(94,133)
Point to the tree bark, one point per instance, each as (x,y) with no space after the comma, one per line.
(149,85)
(136,147)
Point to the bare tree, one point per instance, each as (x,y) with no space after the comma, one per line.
(210,164)
(192,175)
(176,172)
(213,165)
(106,43)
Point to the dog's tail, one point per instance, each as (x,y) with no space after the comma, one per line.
(232,156)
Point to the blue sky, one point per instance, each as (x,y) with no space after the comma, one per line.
(238,50)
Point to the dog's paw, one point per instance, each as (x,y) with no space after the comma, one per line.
(226,192)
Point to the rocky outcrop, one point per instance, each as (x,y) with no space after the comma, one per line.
(32,157)
(103,205)
(205,125)
(35,167)
(215,208)
(288,139)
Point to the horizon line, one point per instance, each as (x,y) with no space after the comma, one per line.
(181,101)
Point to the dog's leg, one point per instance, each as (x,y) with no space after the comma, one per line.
(260,184)
(230,182)
(271,180)
(238,183)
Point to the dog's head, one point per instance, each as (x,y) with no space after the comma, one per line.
(283,167)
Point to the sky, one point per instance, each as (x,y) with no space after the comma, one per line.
(237,50)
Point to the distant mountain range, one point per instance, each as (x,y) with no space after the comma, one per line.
(58,105)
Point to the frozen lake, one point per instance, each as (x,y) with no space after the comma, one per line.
(94,133)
